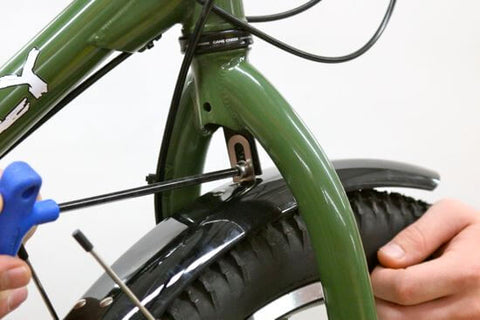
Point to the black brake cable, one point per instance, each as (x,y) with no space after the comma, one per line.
(177,95)
(283,15)
(303,54)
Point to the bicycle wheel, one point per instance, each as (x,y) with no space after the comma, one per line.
(250,280)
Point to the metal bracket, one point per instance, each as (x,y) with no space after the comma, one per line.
(243,155)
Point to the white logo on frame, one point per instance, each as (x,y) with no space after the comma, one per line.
(14,115)
(36,86)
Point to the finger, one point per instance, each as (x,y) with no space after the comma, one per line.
(448,308)
(14,273)
(11,299)
(419,283)
(427,311)
(419,240)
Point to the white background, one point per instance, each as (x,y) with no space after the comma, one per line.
(414,97)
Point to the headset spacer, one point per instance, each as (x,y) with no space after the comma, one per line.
(219,41)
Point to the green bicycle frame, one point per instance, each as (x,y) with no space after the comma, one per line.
(89,31)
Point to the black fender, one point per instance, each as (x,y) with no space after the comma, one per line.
(160,266)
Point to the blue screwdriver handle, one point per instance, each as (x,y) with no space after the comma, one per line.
(19,187)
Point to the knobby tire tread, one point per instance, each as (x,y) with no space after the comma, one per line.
(279,258)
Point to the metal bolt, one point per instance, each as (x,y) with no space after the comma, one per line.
(106,302)
(80,304)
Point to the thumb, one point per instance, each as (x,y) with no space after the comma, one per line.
(409,247)
(421,239)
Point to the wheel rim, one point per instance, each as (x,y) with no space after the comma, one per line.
(291,303)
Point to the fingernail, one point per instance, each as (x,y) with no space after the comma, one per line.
(16,297)
(393,250)
(13,275)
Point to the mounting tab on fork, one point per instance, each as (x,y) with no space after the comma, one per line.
(243,155)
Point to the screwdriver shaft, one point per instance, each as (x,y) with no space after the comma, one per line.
(150,189)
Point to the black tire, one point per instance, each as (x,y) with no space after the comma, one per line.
(279,259)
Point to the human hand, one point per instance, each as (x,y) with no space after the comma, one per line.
(445,287)
(14,276)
